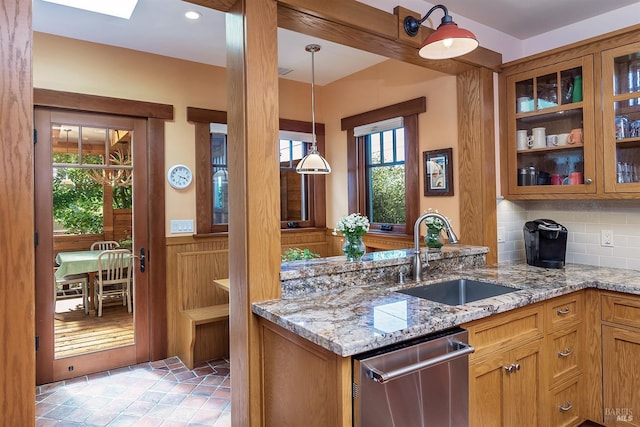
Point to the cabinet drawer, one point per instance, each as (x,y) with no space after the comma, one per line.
(564,311)
(505,329)
(564,403)
(621,309)
(564,353)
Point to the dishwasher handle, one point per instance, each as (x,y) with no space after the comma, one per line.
(383,377)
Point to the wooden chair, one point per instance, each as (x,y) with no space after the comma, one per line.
(104,245)
(59,291)
(114,277)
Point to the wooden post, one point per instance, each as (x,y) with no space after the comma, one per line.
(476,157)
(254,195)
(17,298)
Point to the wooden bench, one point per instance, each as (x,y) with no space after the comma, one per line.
(187,322)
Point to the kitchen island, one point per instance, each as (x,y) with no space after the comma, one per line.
(332,310)
(353,319)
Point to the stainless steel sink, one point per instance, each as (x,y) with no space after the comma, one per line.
(459,291)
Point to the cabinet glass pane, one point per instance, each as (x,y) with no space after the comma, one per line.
(524,96)
(571,86)
(626,77)
(550,149)
(627,118)
(547,88)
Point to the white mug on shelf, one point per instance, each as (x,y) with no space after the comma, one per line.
(539,138)
(552,140)
(562,139)
(523,141)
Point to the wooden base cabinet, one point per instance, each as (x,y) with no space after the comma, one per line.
(303,384)
(504,388)
(564,404)
(621,360)
(505,372)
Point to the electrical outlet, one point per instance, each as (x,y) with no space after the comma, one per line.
(501,235)
(607,238)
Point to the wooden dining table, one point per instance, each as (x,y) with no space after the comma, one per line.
(222,284)
(79,262)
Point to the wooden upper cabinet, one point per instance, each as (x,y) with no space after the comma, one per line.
(621,118)
(571,121)
(550,138)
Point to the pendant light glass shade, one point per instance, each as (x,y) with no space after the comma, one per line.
(313,163)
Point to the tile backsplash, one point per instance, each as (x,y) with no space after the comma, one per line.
(584,220)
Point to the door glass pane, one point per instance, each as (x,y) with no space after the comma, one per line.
(92,201)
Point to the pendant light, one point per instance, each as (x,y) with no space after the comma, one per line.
(313,163)
(448,41)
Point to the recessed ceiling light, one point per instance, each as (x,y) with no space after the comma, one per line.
(117,8)
(192,14)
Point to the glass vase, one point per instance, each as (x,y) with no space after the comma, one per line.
(433,239)
(353,248)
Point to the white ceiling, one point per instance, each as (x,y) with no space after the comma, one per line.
(159,26)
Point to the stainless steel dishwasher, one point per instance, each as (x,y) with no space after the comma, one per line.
(420,383)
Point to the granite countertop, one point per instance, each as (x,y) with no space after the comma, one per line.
(354,319)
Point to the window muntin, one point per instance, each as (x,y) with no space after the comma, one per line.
(405,115)
(212,191)
(385,177)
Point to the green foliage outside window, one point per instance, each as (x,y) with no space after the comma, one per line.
(78,199)
(388,195)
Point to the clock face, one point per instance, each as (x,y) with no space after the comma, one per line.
(179,176)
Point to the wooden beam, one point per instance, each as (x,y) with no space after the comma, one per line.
(303,23)
(254,250)
(101,104)
(347,13)
(17,275)
(476,157)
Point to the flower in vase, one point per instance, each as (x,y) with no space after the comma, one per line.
(352,227)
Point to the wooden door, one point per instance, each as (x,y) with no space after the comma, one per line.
(52,364)
(488,390)
(523,400)
(620,356)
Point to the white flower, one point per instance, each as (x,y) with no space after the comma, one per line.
(433,222)
(352,225)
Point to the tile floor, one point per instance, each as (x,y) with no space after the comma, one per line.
(162,393)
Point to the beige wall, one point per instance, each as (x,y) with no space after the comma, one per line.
(84,67)
(381,85)
(78,66)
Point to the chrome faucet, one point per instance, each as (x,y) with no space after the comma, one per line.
(417,265)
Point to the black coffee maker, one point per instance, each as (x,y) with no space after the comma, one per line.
(545,243)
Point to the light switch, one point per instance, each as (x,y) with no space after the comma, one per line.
(182,226)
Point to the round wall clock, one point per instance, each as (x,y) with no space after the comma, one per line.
(179,176)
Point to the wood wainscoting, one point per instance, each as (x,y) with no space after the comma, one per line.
(194,262)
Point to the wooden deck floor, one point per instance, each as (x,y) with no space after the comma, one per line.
(78,333)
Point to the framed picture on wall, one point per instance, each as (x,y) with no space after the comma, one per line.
(438,172)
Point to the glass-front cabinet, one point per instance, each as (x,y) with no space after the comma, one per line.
(621,118)
(550,131)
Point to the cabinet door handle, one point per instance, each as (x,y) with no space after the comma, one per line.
(564,311)
(517,366)
(509,368)
(588,181)
(565,408)
(567,352)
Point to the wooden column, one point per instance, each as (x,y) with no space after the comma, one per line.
(476,157)
(254,195)
(17,299)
